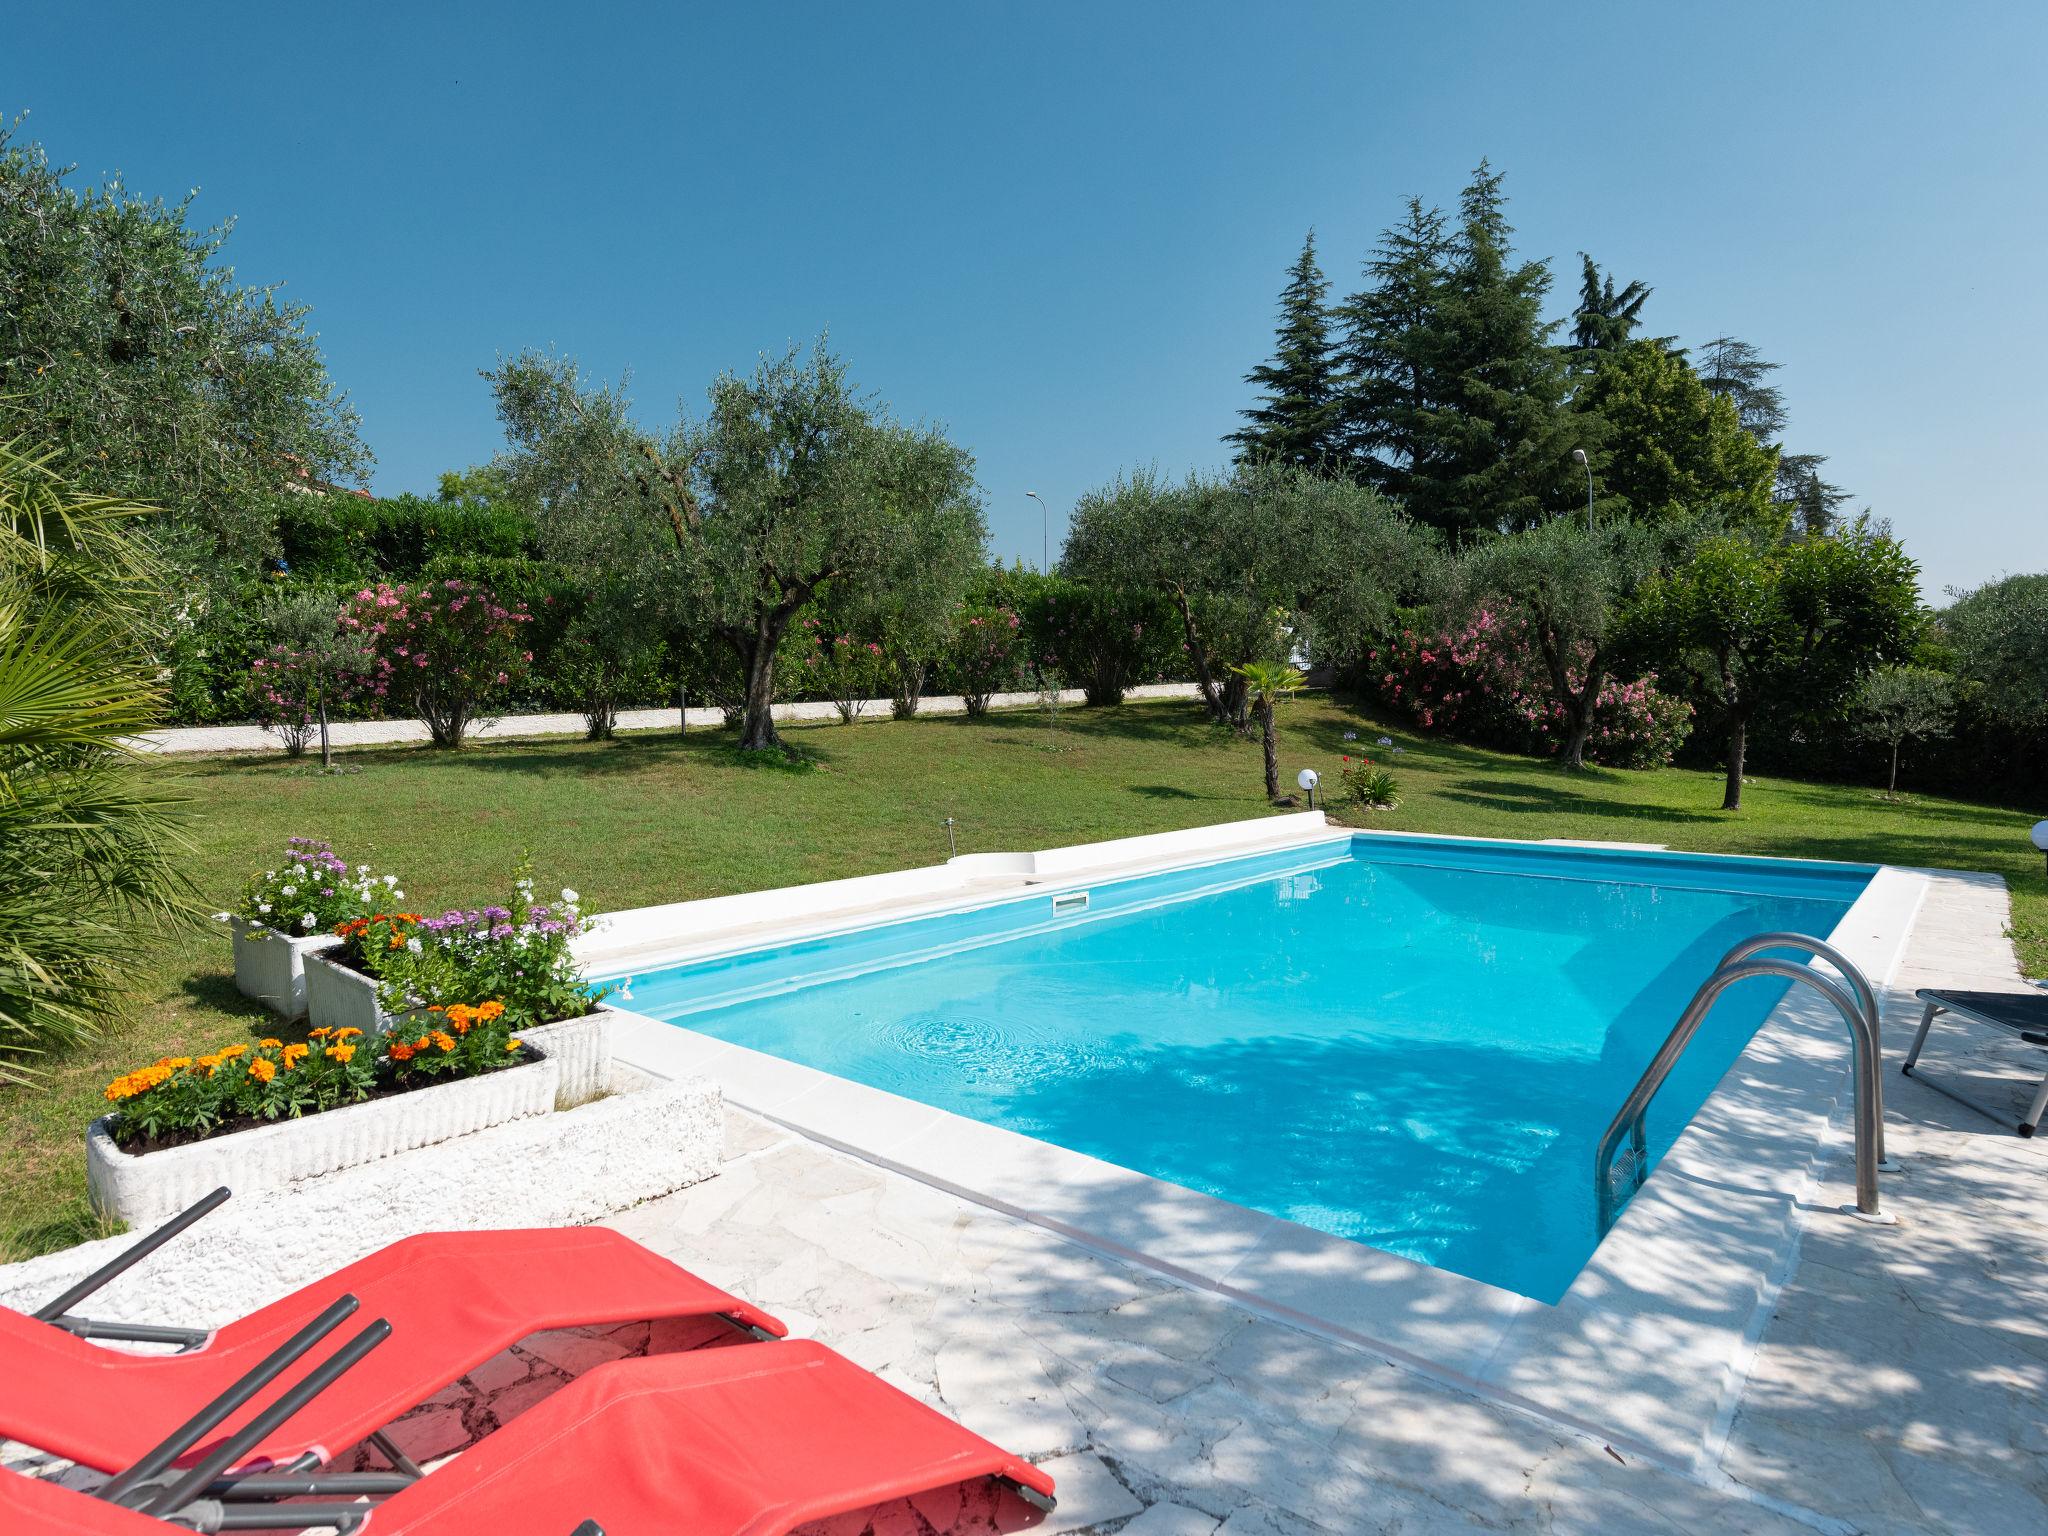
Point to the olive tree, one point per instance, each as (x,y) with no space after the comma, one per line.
(2000,635)
(791,489)
(132,356)
(1900,704)
(1572,584)
(1254,565)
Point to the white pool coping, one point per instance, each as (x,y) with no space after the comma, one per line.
(1648,1349)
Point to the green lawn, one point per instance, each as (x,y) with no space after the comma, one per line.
(656,818)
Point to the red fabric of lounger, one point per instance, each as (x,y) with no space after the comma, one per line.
(453,1299)
(726,1442)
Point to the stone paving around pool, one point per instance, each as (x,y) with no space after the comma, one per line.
(1901,1385)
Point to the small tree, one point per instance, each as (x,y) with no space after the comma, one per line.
(1569,584)
(845,668)
(1901,704)
(609,653)
(986,654)
(440,648)
(311,665)
(1793,625)
(2000,634)
(1266,683)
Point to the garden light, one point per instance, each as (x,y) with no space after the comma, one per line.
(2040,835)
(1308,779)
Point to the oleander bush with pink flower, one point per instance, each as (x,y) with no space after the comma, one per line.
(1483,681)
(441,650)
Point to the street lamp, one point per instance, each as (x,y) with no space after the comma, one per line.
(1045,543)
(1579,457)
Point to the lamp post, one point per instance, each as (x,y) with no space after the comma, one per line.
(1045,541)
(1579,457)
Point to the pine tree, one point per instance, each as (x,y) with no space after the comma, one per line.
(1607,317)
(1297,425)
(1386,351)
(1736,371)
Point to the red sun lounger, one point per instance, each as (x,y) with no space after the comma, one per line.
(453,1299)
(727,1442)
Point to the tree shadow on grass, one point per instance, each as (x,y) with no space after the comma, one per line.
(1522,798)
(1171,792)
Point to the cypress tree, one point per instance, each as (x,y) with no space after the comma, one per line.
(1297,423)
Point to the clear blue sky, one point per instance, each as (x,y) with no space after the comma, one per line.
(1059,229)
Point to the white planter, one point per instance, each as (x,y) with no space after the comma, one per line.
(340,998)
(271,966)
(583,1049)
(142,1189)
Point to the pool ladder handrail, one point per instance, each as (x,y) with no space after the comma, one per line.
(1858,1006)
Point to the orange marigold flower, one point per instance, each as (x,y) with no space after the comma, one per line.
(399,1051)
(341,1053)
(444,1040)
(175,1063)
(294,1054)
(350,1033)
(513,1045)
(318,1034)
(263,1069)
(229,1053)
(271,1045)
(491,1010)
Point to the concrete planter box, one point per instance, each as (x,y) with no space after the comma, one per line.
(583,1049)
(142,1189)
(270,967)
(339,998)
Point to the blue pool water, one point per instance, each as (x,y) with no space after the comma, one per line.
(1409,1042)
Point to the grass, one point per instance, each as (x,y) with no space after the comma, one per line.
(654,818)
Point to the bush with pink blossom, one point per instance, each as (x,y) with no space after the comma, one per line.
(440,649)
(1485,681)
(844,668)
(987,653)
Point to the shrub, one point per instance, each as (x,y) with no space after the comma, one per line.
(984,656)
(313,891)
(1106,639)
(517,954)
(845,670)
(441,649)
(1480,683)
(1365,785)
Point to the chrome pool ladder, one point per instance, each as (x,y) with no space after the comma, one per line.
(1856,1002)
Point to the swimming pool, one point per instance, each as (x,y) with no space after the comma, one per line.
(1412,1043)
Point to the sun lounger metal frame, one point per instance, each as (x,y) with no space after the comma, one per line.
(1964,1004)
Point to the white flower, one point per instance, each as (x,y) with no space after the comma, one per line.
(290,890)
(398,895)
(306,920)
(570,896)
(413,945)
(262,906)
(390,880)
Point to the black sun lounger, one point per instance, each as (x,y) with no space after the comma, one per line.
(2024,1014)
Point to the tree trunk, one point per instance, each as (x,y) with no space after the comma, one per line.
(1270,744)
(327,749)
(1738,739)
(757,717)
(682,709)
(1204,679)
(1891,788)
(1573,753)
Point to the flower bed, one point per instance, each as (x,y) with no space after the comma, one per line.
(288,913)
(177,1100)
